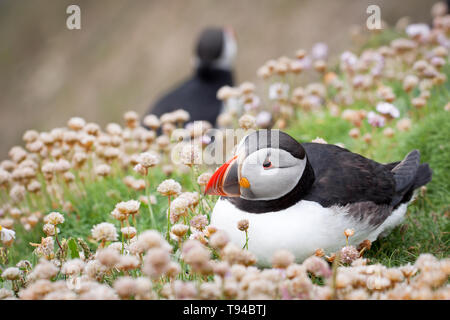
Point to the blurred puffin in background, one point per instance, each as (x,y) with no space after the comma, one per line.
(215,53)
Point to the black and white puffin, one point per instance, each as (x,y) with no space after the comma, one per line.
(302,196)
(215,54)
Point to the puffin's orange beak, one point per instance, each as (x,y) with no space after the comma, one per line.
(225,181)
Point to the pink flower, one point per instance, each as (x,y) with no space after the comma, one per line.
(375,120)
(388,108)
(319,51)
(420,31)
(348,60)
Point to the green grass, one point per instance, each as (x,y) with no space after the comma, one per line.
(96,207)
(426,228)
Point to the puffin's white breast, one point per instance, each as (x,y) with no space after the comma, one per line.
(301,229)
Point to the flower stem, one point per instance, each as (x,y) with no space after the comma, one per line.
(168,221)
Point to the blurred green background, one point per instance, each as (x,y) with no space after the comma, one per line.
(127,53)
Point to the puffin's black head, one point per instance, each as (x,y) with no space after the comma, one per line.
(216,48)
(268,165)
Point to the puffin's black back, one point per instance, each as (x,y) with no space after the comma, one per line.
(197,94)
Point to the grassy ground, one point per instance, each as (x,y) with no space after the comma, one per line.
(426,228)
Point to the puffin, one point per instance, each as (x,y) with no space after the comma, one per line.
(303,196)
(215,54)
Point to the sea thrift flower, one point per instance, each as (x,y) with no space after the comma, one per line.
(131,118)
(196,255)
(156,262)
(348,61)
(263,119)
(12,273)
(419,31)
(319,51)
(199,222)
(128,263)
(282,259)
(125,287)
(376,282)
(375,120)
(140,169)
(49,229)
(54,218)
(354,133)
(349,254)
(118,215)
(204,178)
(152,122)
(6,235)
(389,132)
(219,239)
(243,225)
(410,82)
(169,188)
(102,170)
(108,257)
(225,93)
(367,138)
(76,123)
(43,270)
(128,232)
(179,230)
(247,121)
(317,266)
(279,91)
(388,109)
(104,232)
(148,160)
(179,207)
(5,177)
(191,154)
(17,193)
(6,294)
(147,240)
(128,207)
(418,102)
(72,267)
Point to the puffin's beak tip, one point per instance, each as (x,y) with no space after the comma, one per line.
(215,185)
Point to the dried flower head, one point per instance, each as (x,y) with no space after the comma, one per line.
(243,225)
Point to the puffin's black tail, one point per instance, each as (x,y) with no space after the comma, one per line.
(409,175)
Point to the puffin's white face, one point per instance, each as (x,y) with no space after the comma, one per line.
(260,170)
(229,51)
(269,174)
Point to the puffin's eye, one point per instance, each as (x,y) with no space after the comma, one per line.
(267,164)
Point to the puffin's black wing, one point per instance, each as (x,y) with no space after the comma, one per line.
(409,175)
(370,190)
(343,177)
(196,95)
